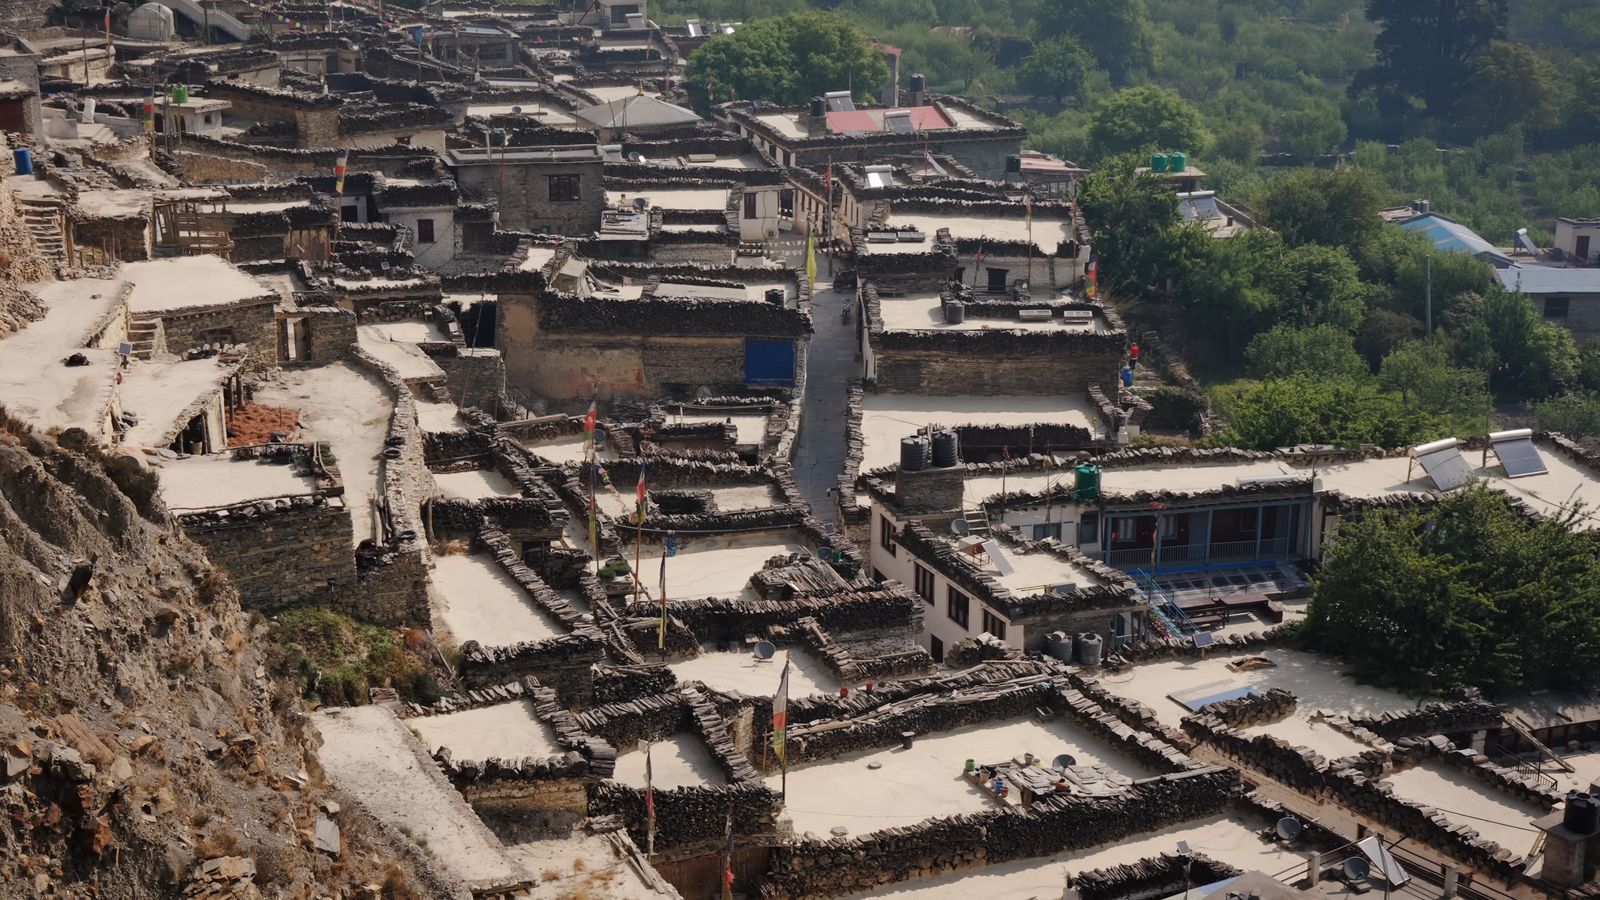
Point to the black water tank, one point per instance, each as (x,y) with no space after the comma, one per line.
(919,83)
(955,312)
(819,108)
(1583,813)
(946,448)
(1013,163)
(776,296)
(914,454)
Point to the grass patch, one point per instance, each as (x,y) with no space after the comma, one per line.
(337,659)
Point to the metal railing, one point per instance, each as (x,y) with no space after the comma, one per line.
(1226,551)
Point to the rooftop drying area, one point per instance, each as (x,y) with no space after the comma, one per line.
(674,198)
(1046,234)
(504,731)
(1464,800)
(348,409)
(185,282)
(887,418)
(1316,680)
(927,780)
(925,312)
(719,565)
(742,672)
(478,601)
(35,385)
(161,391)
(401,353)
(680,760)
(218,480)
(474,484)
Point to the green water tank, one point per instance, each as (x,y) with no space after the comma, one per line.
(1158,162)
(1086,482)
(1177,162)
(180,93)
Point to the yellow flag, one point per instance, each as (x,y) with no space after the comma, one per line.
(811,258)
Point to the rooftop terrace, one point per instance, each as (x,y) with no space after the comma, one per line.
(479,602)
(887,418)
(218,480)
(34,384)
(205,280)
(504,731)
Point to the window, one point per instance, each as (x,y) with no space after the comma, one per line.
(749,206)
(563,188)
(924,582)
(994,625)
(424,231)
(786,203)
(350,212)
(1047,530)
(1555,307)
(886,534)
(1089,528)
(956,607)
(1123,528)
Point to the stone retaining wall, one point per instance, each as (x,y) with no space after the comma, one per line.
(689,815)
(830,867)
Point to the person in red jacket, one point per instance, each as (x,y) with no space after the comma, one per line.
(1133,355)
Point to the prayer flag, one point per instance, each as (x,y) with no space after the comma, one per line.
(649,804)
(780,713)
(811,258)
(340,162)
(640,511)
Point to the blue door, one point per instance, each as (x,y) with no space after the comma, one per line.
(769,362)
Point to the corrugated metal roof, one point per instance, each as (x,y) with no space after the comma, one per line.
(1550,280)
(1448,234)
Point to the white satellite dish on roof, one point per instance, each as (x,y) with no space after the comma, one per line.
(959,527)
(1289,828)
(765,650)
(1356,868)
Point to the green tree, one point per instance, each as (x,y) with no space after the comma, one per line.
(788,60)
(1422,373)
(1056,68)
(1127,212)
(1426,49)
(1336,207)
(1311,131)
(1531,357)
(1575,415)
(1145,118)
(1510,85)
(1321,349)
(1117,32)
(1310,408)
(1322,287)
(1467,592)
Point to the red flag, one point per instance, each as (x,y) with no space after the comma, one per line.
(641,507)
(589,418)
(1005,452)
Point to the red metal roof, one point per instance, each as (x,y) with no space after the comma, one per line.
(923,118)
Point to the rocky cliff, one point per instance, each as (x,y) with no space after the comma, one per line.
(144,751)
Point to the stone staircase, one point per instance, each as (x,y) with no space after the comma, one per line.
(45,220)
(148,338)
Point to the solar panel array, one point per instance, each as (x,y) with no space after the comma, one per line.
(1519,457)
(1447,467)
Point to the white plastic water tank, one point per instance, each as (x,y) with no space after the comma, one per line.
(87,116)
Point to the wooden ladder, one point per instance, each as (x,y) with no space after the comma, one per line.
(1522,730)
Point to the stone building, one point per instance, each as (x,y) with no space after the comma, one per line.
(639,332)
(816,136)
(557,189)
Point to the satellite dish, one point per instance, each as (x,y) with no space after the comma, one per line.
(702,393)
(959,527)
(641,203)
(516,110)
(765,650)
(636,157)
(1357,868)
(1064,761)
(1289,828)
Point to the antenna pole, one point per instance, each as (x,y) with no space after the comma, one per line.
(1428,295)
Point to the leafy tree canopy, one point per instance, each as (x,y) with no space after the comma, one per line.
(788,60)
(1336,207)
(1117,32)
(1145,118)
(1056,68)
(1467,592)
(1285,350)
(1426,50)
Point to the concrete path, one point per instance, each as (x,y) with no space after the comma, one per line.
(831,363)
